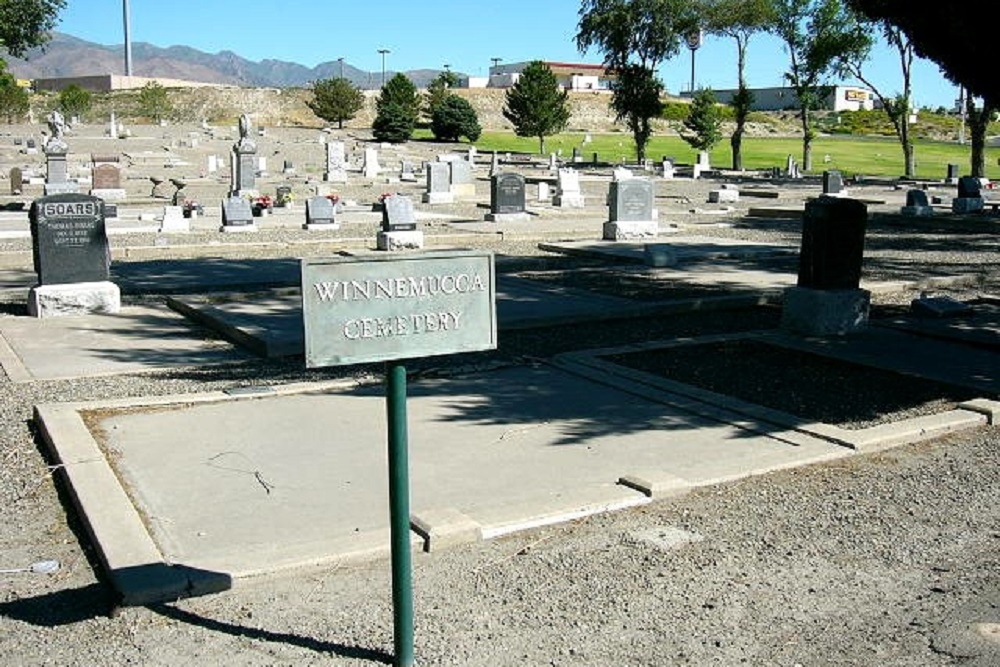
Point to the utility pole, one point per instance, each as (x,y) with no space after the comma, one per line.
(128,39)
(383,52)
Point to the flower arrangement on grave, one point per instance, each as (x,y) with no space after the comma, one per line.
(284,198)
(191,206)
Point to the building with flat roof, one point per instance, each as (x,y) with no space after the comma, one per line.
(840,98)
(102,83)
(571,76)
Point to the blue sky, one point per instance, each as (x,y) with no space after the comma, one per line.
(465,34)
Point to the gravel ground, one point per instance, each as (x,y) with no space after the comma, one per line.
(886,559)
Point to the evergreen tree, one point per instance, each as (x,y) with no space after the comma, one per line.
(438,91)
(153,101)
(396,110)
(703,121)
(336,100)
(636,101)
(536,105)
(454,118)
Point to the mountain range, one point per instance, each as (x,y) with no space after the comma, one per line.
(66,56)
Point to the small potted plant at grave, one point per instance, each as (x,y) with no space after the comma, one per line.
(284,198)
(380,202)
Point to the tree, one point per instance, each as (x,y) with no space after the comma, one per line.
(703,121)
(955,40)
(740,20)
(635,36)
(898,107)
(979,119)
(14,100)
(438,91)
(454,118)
(536,105)
(74,100)
(396,110)
(336,100)
(25,24)
(153,101)
(636,100)
(816,33)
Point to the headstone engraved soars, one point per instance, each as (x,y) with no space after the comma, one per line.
(69,240)
(359,310)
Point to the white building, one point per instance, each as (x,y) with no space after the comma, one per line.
(571,76)
(841,98)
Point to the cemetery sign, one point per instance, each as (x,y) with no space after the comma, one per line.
(358,310)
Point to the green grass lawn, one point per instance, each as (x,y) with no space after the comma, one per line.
(851,155)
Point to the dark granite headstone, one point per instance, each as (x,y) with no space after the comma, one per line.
(969,186)
(507,193)
(31,143)
(916,198)
(69,240)
(320,210)
(397,214)
(16,181)
(833,241)
(236,211)
(110,210)
(952,172)
(631,199)
(833,182)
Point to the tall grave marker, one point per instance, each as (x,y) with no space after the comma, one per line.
(244,162)
(630,204)
(71,256)
(827,299)
(56,149)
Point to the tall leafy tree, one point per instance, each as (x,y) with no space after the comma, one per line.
(739,20)
(536,105)
(396,110)
(336,100)
(637,99)
(899,106)
(74,100)
(703,121)
(26,23)
(816,34)
(632,36)
(953,39)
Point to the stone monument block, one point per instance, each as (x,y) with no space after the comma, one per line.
(630,214)
(507,198)
(321,213)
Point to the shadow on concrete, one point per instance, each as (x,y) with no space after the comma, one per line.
(203,274)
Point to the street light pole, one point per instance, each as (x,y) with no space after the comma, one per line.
(383,52)
(495,61)
(341,61)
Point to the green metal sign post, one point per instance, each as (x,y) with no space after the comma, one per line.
(358,310)
(399,514)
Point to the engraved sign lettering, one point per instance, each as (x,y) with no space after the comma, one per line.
(361,310)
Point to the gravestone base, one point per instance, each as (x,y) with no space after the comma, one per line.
(174,220)
(438,198)
(335,177)
(463,190)
(232,229)
(74,299)
(402,240)
(61,188)
(108,194)
(319,226)
(918,211)
(820,312)
(838,193)
(568,201)
(723,196)
(630,230)
(966,204)
(507,217)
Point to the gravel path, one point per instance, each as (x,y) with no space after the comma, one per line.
(888,559)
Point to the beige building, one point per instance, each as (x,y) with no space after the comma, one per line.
(102,83)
